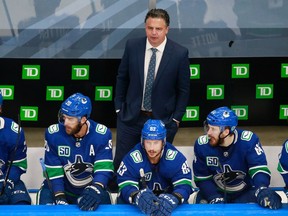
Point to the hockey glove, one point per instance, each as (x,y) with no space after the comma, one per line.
(217,200)
(286,191)
(146,201)
(268,198)
(5,197)
(90,198)
(60,199)
(167,203)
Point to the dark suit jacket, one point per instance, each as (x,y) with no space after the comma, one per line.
(171,87)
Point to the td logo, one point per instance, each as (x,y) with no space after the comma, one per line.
(7,92)
(31,72)
(241,112)
(215,92)
(192,114)
(28,113)
(264,91)
(103,93)
(240,71)
(194,71)
(55,93)
(284,70)
(80,72)
(283,113)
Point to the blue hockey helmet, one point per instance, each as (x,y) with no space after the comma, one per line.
(153,130)
(1,98)
(222,117)
(77,105)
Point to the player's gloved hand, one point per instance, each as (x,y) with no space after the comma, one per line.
(5,197)
(268,198)
(217,200)
(286,191)
(167,203)
(60,199)
(146,201)
(90,198)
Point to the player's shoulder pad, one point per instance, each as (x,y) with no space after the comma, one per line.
(285,145)
(136,156)
(246,135)
(171,154)
(54,128)
(2,123)
(9,123)
(14,127)
(101,129)
(203,140)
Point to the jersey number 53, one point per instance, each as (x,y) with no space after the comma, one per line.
(122,168)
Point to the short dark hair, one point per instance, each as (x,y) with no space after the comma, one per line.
(158,13)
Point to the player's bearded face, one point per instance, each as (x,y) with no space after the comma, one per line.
(153,149)
(214,135)
(72,125)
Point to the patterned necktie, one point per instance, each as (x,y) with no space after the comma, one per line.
(149,81)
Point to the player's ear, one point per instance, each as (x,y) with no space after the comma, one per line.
(225,132)
(83,119)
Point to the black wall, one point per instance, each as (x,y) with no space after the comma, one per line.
(102,72)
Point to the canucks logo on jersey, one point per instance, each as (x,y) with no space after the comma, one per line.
(76,172)
(230,180)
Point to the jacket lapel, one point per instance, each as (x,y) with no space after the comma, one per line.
(141,55)
(164,61)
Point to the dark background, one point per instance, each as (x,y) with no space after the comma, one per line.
(213,71)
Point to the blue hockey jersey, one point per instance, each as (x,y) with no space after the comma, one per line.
(283,162)
(243,165)
(9,139)
(171,174)
(72,163)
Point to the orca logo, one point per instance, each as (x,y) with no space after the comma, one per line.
(73,171)
(230,180)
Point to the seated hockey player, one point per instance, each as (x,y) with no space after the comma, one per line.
(230,165)
(154,175)
(283,165)
(78,158)
(13,162)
